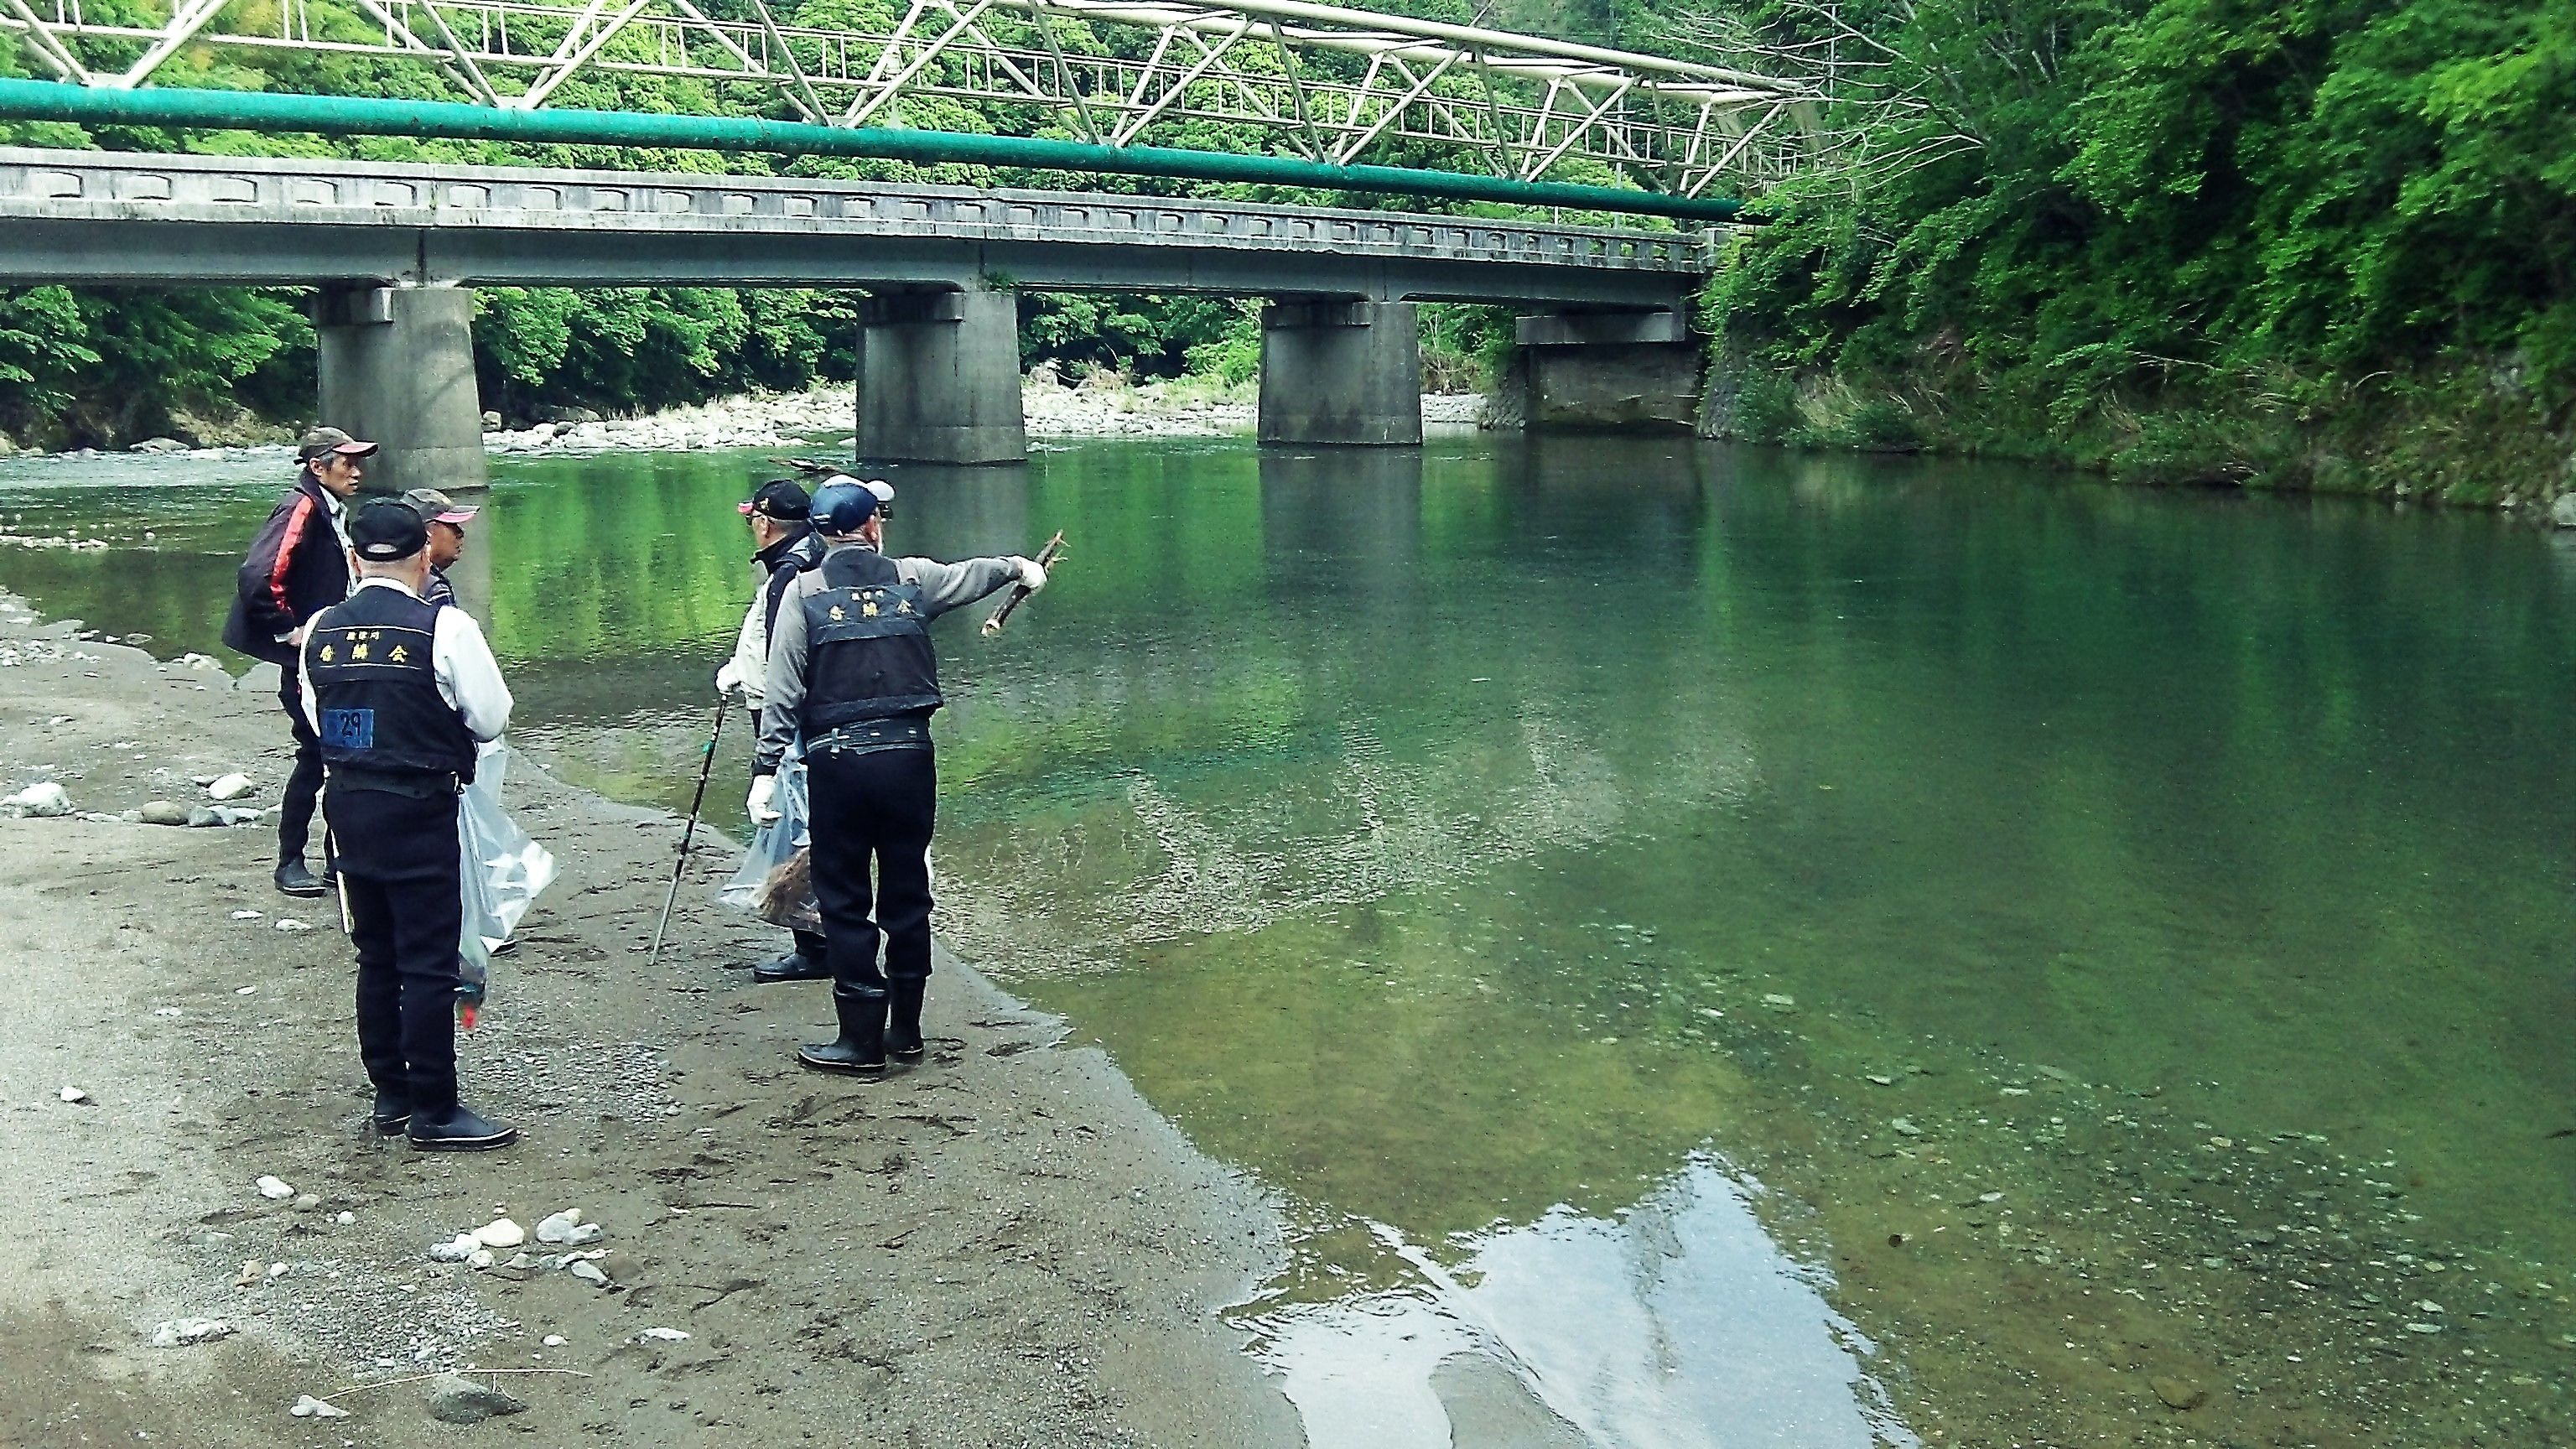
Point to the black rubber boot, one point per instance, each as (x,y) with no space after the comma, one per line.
(903,1020)
(458,1129)
(392,1113)
(792,967)
(860,1050)
(294,880)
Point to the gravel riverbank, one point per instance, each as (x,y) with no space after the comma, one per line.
(1003,1246)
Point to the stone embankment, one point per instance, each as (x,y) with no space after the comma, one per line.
(1105,408)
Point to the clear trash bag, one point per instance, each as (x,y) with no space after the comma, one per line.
(503,869)
(776,879)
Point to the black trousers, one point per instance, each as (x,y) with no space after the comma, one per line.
(874,810)
(401,868)
(295,810)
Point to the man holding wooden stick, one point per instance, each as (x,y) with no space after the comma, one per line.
(851,672)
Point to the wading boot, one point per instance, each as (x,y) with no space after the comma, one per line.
(458,1129)
(294,880)
(903,1020)
(794,966)
(860,1051)
(392,1113)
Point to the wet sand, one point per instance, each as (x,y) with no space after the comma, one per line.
(1002,1246)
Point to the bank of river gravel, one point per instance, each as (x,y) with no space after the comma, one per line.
(1002,1246)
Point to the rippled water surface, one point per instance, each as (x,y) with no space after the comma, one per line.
(1713,947)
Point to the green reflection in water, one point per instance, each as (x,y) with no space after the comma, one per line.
(1426,831)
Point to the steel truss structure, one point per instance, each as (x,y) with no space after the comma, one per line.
(1337,85)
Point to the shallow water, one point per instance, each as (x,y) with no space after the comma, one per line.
(2123,932)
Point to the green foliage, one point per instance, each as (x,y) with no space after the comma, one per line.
(2186,232)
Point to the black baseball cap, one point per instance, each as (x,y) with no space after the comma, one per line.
(387,530)
(781,498)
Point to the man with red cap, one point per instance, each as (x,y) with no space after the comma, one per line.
(298,566)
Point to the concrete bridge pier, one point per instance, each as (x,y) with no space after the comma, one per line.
(397,368)
(1341,372)
(1634,371)
(939,378)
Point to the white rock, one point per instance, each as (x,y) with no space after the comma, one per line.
(43,799)
(500,1233)
(480,1258)
(277,1270)
(73,1094)
(309,1407)
(274,1189)
(555,1340)
(230,787)
(587,1271)
(249,915)
(584,1233)
(456,1250)
(178,1332)
(290,925)
(346,1219)
(558,1227)
(665,1335)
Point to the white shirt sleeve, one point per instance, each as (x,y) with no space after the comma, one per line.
(304,683)
(751,647)
(469,678)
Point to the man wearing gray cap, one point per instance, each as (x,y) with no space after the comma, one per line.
(446,519)
(298,566)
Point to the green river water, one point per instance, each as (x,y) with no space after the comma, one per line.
(1757,949)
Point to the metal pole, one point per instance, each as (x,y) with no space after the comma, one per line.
(35,100)
(706,766)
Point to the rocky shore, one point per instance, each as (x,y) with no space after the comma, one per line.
(1104,408)
(696,1243)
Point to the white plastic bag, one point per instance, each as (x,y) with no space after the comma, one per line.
(768,883)
(503,868)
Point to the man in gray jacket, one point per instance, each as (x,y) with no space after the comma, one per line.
(851,672)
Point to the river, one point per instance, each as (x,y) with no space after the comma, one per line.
(1737,947)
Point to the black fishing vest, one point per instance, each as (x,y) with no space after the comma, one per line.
(376,689)
(867,645)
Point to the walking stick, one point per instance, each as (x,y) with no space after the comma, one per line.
(1047,559)
(706,766)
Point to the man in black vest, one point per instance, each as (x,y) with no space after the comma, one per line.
(783,546)
(400,691)
(851,673)
(298,566)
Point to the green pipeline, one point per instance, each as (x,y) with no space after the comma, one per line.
(35,100)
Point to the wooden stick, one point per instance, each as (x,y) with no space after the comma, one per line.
(425,1378)
(1047,558)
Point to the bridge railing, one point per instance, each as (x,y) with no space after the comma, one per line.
(1337,85)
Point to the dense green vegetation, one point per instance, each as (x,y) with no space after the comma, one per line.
(2328,242)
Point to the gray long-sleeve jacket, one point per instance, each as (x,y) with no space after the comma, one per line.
(944,586)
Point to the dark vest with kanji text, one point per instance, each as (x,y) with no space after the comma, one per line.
(375,689)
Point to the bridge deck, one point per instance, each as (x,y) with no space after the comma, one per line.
(121,217)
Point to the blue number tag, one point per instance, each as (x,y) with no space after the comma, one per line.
(349,729)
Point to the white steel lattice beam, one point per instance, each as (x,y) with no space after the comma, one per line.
(1331,82)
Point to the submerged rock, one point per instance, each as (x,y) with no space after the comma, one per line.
(2178,1394)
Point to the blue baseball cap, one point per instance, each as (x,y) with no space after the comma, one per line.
(842,507)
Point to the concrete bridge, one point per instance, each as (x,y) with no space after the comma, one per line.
(396,250)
